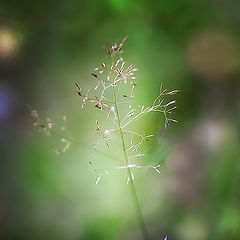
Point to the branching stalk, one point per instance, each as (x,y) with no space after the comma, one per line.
(103,96)
(131,181)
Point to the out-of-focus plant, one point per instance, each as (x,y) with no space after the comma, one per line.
(112,94)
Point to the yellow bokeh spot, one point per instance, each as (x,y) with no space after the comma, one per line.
(8,43)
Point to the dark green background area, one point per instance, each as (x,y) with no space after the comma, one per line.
(189,45)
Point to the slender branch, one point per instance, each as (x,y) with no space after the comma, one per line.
(131,181)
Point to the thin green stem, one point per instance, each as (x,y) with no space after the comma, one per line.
(131,182)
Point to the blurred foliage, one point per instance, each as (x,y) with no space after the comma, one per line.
(185,44)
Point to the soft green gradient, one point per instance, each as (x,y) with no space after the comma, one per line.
(184,44)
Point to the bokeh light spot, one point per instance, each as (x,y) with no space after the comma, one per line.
(213,55)
(8,43)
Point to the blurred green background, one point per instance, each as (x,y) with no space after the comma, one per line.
(46,46)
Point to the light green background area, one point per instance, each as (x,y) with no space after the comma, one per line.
(51,196)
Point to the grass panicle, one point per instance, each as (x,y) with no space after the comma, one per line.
(112,94)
